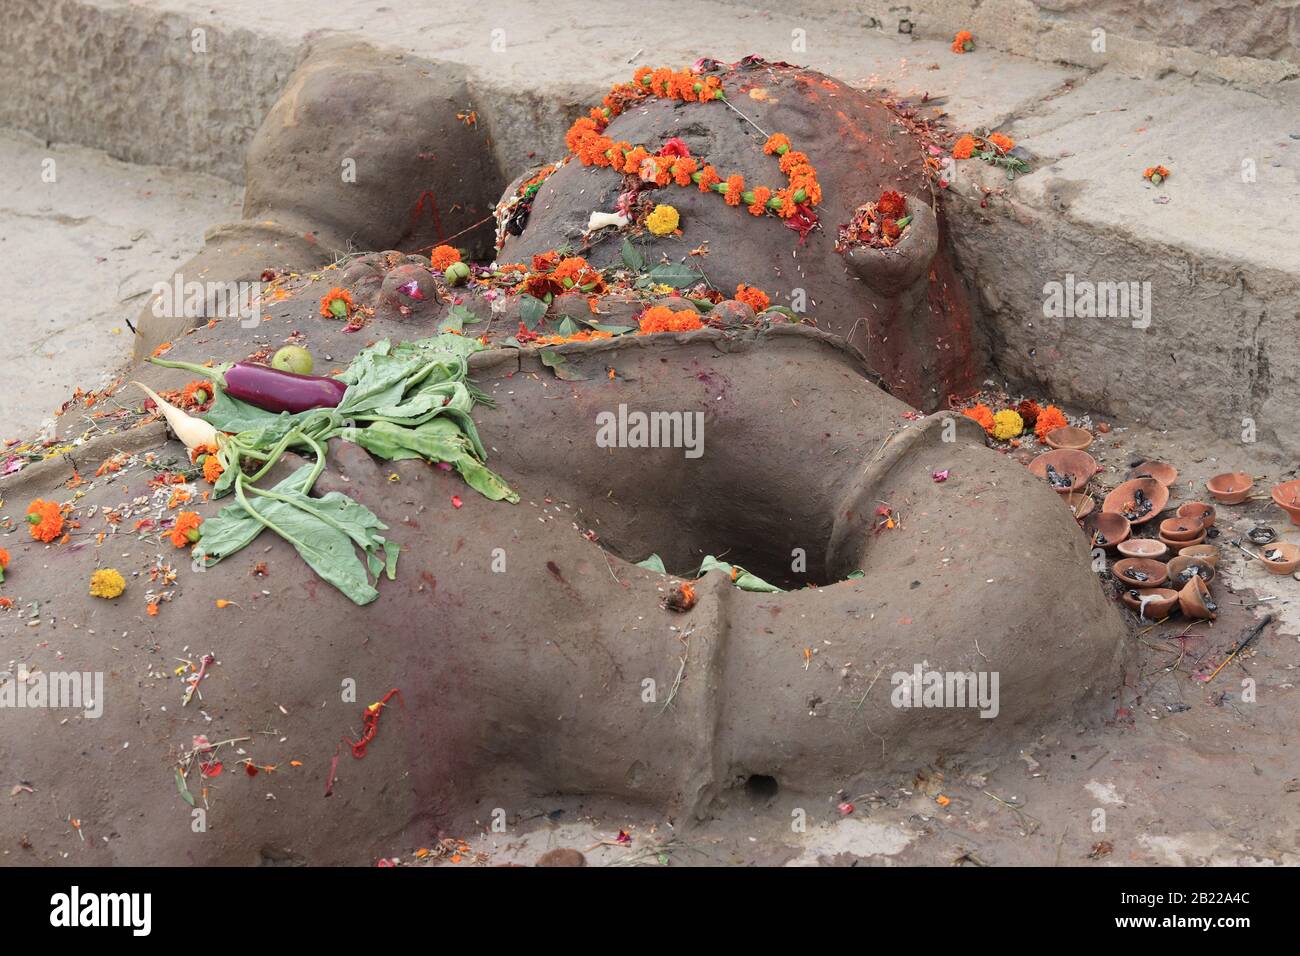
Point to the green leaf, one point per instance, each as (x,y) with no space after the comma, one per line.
(324,531)
(558,364)
(531,311)
(741,579)
(632,257)
(183,789)
(436,440)
(653,563)
(231,415)
(675,274)
(568,327)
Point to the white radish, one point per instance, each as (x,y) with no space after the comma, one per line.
(194,432)
(602,220)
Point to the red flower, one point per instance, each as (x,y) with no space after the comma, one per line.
(675,146)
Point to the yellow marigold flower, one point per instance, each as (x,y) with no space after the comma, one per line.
(663,220)
(1007,424)
(107,583)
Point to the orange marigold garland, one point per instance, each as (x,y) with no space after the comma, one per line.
(660,318)
(45,520)
(586,140)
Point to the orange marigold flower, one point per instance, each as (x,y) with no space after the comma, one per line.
(570,268)
(775,143)
(186,530)
(889,229)
(963,42)
(640,75)
(4,563)
(963,148)
(582,127)
(635,156)
(196,394)
(152,609)
(982,414)
(793,160)
(660,318)
(442,257)
(683,169)
(336,304)
(212,469)
(162,349)
(45,520)
(1049,419)
(756,299)
(788,206)
(708,178)
(891,205)
(735,188)
(759,206)
(1002,141)
(1153,171)
(546,261)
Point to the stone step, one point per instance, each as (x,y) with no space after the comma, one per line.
(177,82)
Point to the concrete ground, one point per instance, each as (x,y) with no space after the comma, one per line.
(83,250)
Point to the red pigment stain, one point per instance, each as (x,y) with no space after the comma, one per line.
(418,211)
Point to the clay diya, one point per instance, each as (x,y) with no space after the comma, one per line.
(1154,604)
(1177,544)
(1287,497)
(1207,553)
(1182,568)
(1138,499)
(1159,470)
(1069,471)
(1140,572)
(1196,602)
(1080,505)
(1106,529)
(1231,488)
(1280,558)
(1067,436)
(1143,548)
(1181,529)
(1198,509)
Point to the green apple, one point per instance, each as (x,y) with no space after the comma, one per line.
(292,358)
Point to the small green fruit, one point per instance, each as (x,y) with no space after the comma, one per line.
(292,358)
(456,273)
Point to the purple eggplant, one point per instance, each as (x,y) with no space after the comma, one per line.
(266,387)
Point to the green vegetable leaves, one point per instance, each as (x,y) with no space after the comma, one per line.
(410,400)
(325,531)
